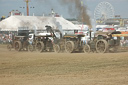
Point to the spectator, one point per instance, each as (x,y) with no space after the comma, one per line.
(2,18)
(0,38)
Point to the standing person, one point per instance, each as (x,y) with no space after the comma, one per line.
(122,41)
(3,38)
(10,37)
(7,38)
(13,36)
(83,40)
(126,42)
(0,38)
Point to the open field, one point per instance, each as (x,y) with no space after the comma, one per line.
(26,68)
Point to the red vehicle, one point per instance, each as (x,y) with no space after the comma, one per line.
(108,29)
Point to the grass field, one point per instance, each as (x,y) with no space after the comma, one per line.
(26,68)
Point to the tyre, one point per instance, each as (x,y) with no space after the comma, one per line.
(9,47)
(30,48)
(56,48)
(86,49)
(40,46)
(18,45)
(69,46)
(101,46)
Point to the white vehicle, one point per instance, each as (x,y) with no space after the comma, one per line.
(40,42)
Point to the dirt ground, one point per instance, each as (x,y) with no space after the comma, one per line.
(26,68)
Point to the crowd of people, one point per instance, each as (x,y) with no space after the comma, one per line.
(124,42)
(6,37)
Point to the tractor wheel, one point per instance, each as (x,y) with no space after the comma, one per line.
(69,46)
(40,46)
(86,49)
(18,45)
(30,48)
(101,46)
(9,47)
(56,48)
(25,46)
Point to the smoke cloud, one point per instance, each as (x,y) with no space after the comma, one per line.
(76,8)
(80,10)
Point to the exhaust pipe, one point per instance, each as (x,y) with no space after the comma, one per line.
(90,32)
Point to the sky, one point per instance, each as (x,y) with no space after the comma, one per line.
(44,7)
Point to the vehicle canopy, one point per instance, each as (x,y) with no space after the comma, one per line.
(74,35)
(43,36)
(23,31)
(107,33)
(20,36)
(123,34)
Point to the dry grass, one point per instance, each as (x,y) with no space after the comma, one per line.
(25,68)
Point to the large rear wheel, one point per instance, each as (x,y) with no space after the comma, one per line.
(69,46)
(18,45)
(101,46)
(40,46)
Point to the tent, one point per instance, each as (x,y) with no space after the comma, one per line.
(13,22)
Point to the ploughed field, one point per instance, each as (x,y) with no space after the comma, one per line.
(26,68)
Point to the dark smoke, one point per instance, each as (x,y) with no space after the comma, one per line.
(80,10)
(76,8)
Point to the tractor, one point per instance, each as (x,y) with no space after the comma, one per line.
(103,42)
(41,43)
(20,42)
(66,42)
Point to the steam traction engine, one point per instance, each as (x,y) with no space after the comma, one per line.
(103,42)
(20,42)
(41,43)
(68,42)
